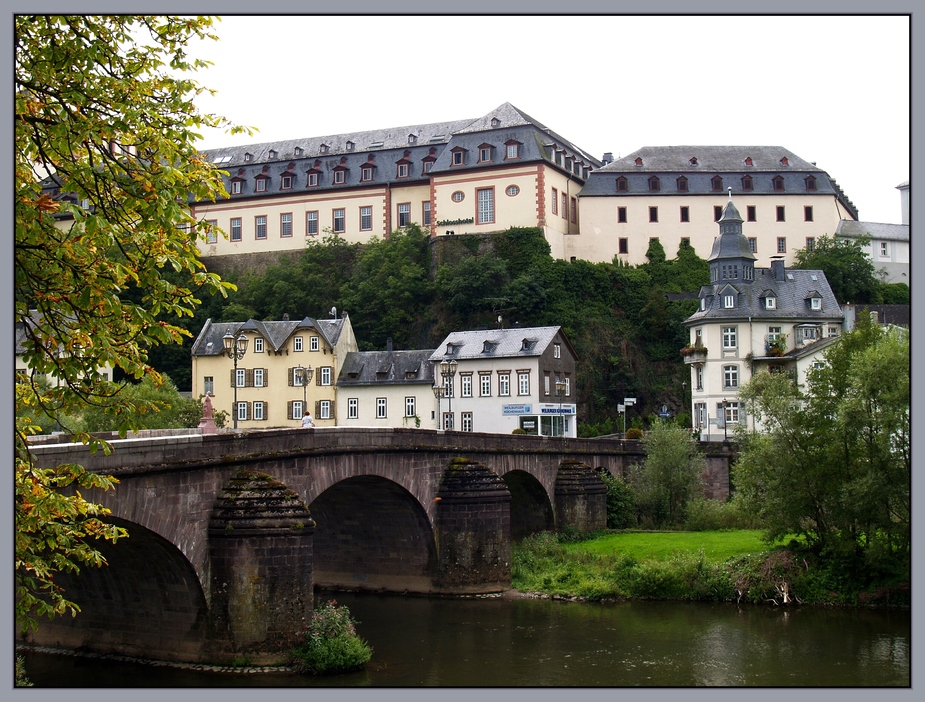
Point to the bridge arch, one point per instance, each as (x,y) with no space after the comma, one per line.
(531,508)
(371,533)
(146,602)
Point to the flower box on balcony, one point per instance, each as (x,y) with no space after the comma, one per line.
(694,354)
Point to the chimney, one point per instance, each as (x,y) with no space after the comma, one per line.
(777,268)
(608,158)
(285,316)
(388,344)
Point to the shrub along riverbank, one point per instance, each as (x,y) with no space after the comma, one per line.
(710,566)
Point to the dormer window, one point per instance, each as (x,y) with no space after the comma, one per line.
(236,186)
(512,150)
(622,185)
(811,183)
(784,161)
(248,157)
(495,122)
(260,184)
(485,153)
(748,183)
(403,170)
(778,182)
(489,346)
(693,161)
(366,173)
(729,301)
(815,303)
(350,146)
(682,184)
(312,179)
(340,177)
(528,344)
(273,153)
(748,161)
(638,161)
(717,184)
(654,184)
(285,182)
(770,303)
(459,157)
(412,139)
(298,151)
(452,348)
(324,148)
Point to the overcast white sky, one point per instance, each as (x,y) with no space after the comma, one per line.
(832,89)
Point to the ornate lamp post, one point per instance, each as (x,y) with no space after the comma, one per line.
(447,372)
(439,393)
(560,391)
(235,348)
(303,376)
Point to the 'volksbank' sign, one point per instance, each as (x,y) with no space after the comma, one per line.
(564,409)
(516,409)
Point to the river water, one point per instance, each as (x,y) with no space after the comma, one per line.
(502,642)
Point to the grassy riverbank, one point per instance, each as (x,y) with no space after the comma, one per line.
(714,566)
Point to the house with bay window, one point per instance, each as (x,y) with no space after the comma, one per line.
(499,380)
(286,367)
(752,320)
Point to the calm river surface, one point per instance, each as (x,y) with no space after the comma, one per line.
(501,642)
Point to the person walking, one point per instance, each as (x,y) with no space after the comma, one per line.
(307,421)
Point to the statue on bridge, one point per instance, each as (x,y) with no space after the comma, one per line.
(207,423)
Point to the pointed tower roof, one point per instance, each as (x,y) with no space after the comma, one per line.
(731,242)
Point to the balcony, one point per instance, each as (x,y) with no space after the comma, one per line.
(694,354)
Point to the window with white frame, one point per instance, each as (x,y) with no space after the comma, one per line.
(258,377)
(212,234)
(259,411)
(240,377)
(730,337)
(815,303)
(513,150)
(297,343)
(260,227)
(326,375)
(523,383)
(486,205)
(313,343)
(297,410)
(242,411)
(311,222)
(404,214)
(381,408)
(730,376)
(833,331)
(465,384)
(770,303)
(324,409)
(411,408)
(236,229)
(426,210)
(466,421)
(504,384)
(340,220)
(285,224)
(236,187)
(884,249)
(729,301)
(698,376)
(403,170)
(312,180)
(557,350)
(484,385)
(700,414)
(546,384)
(366,218)
(353,407)
(732,412)
(208,385)
(258,345)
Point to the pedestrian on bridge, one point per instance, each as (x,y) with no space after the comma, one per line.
(307,421)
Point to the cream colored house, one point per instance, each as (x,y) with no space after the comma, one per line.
(387,389)
(265,383)
(466,176)
(752,320)
(677,193)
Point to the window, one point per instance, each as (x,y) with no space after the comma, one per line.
(557,350)
(512,191)
(339,177)
(808,213)
(260,226)
(366,218)
(448,420)
(428,165)
(240,377)
(781,244)
(208,385)
(884,249)
(484,385)
(259,377)
(833,331)
(730,376)
(555,201)
(717,212)
(513,150)
(285,224)
(717,184)
(504,384)
(353,408)
(730,337)
(698,376)
(810,243)
(465,384)
(295,410)
(621,215)
(285,182)
(458,196)
(653,214)
(682,184)
(780,213)
(236,187)
(259,410)
(236,229)
(546,384)
(815,303)
(211,235)
(729,301)
(410,407)
(623,245)
(459,158)
(622,185)
(258,345)
(381,408)
(242,411)
(366,174)
(685,214)
(466,421)
(778,182)
(261,184)
(574,210)
(425,207)
(810,182)
(773,333)
(732,412)
(770,303)
(486,205)
(523,383)
(753,244)
(324,409)
(312,180)
(403,170)
(339,221)
(404,214)
(747,183)
(484,154)
(325,375)
(654,184)
(751,213)
(314,343)
(311,223)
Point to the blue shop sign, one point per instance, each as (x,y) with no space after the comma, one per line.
(516,409)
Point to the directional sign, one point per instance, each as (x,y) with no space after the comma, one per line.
(629,400)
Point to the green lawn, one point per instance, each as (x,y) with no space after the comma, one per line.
(644,546)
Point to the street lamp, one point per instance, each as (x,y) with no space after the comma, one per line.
(627,402)
(725,420)
(235,348)
(303,376)
(560,391)
(439,393)
(448,371)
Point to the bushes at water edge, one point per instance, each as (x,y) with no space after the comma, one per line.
(330,644)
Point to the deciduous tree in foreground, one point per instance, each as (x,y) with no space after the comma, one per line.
(104,108)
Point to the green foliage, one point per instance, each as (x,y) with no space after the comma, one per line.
(21,679)
(833,464)
(711,515)
(160,407)
(634,434)
(895,293)
(330,643)
(104,104)
(621,502)
(846,265)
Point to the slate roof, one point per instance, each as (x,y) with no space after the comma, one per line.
(874,230)
(387,368)
(276,333)
(518,342)
(713,159)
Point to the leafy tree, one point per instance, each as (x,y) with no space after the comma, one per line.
(847,267)
(833,464)
(105,163)
(670,475)
(161,406)
(895,293)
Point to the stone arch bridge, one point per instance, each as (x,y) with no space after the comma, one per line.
(230,532)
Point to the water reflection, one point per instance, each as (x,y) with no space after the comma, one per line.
(526,643)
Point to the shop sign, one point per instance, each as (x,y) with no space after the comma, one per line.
(516,409)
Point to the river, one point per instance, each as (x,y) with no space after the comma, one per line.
(502,642)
